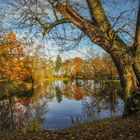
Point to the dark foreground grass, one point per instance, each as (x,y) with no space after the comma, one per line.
(127,128)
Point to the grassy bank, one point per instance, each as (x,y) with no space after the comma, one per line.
(55,79)
(110,129)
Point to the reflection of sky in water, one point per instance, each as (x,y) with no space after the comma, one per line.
(59,114)
(76,104)
(108,113)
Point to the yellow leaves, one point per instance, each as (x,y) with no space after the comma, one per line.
(77,62)
(28,85)
(12,60)
(11,37)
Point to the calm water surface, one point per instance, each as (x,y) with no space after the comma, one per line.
(61,104)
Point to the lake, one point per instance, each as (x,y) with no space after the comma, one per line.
(60,104)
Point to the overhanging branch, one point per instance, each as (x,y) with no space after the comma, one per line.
(96,34)
(57,22)
(89,28)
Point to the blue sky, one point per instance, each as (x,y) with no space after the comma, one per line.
(111,10)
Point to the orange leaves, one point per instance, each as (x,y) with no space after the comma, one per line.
(103,66)
(11,37)
(19,71)
(24,101)
(99,67)
(78,93)
(12,60)
(78,63)
(74,92)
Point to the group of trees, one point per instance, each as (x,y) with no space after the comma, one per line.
(97,24)
(21,61)
(14,65)
(99,68)
(17,65)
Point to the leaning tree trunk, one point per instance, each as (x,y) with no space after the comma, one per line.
(129,84)
(101,33)
(136,46)
(136,68)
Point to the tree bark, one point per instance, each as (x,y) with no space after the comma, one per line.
(136,47)
(129,85)
(136,68)
(98,15)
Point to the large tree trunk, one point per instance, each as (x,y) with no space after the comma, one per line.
(136,68)
(129,84)
(101,33)
(136,46)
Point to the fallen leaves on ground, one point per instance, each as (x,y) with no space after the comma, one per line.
(127,128)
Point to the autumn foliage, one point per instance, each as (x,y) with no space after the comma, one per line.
(97,68)
(13,63)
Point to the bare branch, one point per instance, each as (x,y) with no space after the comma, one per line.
(57,22)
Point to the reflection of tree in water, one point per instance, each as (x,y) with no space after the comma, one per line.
(18,112)
(58,94)
(35,111)
(105,102)
(49,91)
(78,94)
(5,117)
(22,111)
(99,102)
(74,90)
(66,82)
